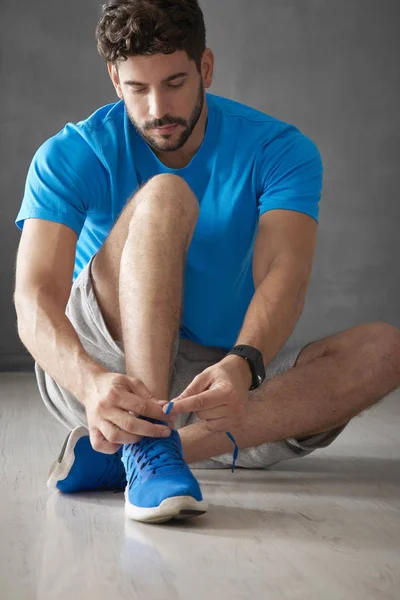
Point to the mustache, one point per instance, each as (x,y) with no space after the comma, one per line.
(157,125)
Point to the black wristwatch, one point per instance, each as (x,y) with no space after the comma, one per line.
(256,363)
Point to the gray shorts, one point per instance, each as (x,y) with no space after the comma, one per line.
(190,359)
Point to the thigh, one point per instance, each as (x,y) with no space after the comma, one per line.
(172,200)
(351,339)
(105,268)
(193,358)
(269,453)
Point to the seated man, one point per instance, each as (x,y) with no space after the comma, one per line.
(167,246)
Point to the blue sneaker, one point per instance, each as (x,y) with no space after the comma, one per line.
(80,468)
(160,484)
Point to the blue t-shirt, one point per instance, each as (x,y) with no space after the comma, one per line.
(248,163)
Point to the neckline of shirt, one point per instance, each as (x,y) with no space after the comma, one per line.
(206,144)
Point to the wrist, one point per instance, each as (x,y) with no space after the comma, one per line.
(86,381)
(243,365)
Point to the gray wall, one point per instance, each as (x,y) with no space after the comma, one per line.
(328,66)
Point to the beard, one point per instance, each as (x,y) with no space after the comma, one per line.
(165,145)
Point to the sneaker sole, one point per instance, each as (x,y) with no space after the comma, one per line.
(177,507)
(62,466)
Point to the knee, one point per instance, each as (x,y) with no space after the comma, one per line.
(169,192)
(384,339)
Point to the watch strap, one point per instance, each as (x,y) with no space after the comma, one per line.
(255,360)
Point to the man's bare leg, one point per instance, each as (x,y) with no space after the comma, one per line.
(138,276)
(334,380)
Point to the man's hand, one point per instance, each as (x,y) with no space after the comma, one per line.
(218,395)
(113,411)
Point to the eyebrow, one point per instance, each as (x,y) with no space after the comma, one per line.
(170,78)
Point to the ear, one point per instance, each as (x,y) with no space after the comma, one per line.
(207,67)
(112,71)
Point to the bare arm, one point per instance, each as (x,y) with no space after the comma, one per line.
(282,265)
(45,263)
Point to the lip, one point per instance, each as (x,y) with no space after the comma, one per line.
(168,129)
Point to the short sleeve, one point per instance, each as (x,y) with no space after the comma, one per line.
(291,176)
(64,179)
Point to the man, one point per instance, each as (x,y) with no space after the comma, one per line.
(187,223)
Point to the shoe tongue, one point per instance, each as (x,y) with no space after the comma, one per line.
(162,448)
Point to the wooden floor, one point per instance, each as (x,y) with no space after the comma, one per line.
(324,527)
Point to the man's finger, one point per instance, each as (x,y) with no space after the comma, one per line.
(141,406)
(199,384)
(129,426)
(206,400)
(100,443)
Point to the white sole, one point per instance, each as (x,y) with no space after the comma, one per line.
(177,507)
(62,466)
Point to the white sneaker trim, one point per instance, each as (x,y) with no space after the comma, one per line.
(60,469)
(170,508)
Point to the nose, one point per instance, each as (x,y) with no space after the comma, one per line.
(158,106)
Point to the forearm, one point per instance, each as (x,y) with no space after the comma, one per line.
(273,312)
(49,336)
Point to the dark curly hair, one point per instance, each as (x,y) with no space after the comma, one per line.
(146,27)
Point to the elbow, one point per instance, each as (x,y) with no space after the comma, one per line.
(21,324)
(21,308)
(18,305)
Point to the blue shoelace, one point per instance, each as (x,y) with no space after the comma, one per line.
(152,453)
(230,436)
